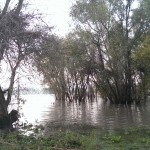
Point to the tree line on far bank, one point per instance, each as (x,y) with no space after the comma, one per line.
(107,54)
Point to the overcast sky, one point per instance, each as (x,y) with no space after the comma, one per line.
(56,12)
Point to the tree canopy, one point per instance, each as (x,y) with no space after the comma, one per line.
(105,51)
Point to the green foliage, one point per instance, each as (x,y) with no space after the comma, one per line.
(99,52)
(116,139)
(116,28)
(113,138)
(137,138)
(142,56)
(141,59)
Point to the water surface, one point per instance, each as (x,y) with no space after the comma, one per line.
(44,109)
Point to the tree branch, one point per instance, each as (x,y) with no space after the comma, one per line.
(5,7)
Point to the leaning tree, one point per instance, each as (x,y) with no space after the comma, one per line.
(9,20)
(19,40)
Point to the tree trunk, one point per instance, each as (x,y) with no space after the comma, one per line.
(19,7)
(3,107)
(5,7)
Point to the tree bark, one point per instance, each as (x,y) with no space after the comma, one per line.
(3,107)
(5,7)
(19,7)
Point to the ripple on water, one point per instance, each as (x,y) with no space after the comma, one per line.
(45,109)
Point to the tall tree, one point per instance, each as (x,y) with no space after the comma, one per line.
(66,66)
(116,28)
(17,42)
(49,62)
(8,26)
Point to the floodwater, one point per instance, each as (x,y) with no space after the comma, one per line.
(43,108)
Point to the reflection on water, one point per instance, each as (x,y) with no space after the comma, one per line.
(36,107)
(45,109)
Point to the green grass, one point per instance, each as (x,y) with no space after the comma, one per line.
(91,139)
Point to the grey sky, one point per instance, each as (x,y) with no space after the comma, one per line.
(57,12)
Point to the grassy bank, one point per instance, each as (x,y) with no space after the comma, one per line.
(93,139)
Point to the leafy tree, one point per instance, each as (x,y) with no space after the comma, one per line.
(99,52)
(18,42)
(66,66)
(49,62)
(141,59)
(76,59)
(116,28)
(8,26)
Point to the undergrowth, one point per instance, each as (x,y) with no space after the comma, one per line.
(92,139)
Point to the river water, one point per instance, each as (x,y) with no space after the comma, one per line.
(43,108)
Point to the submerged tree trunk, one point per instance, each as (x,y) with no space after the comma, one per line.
(7,120)
(3,107)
